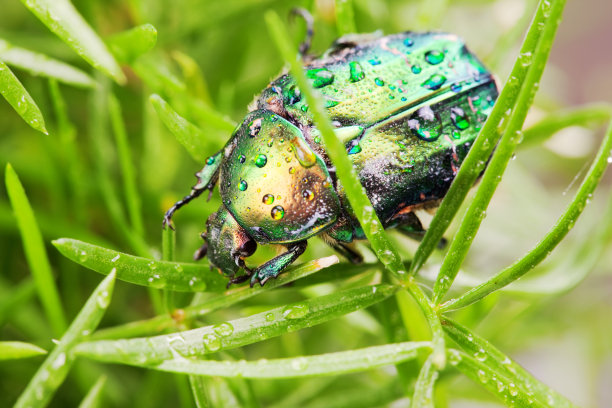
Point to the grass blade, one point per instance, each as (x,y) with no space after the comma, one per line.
(360,203)
(17,96)
(499,363)
(186,133)
(54,369)
(481,150)
(512,137)
(345,20)
(12,350)
(230,297)
(342,362)
(183,277)
(93,399)
(424,387)
(42,65)
(131,44)
(235,333)
(551,240)
(64,20)
(126,161)
(35,252)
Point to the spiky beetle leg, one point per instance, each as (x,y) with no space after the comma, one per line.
(207,178)
(275,266)
(305,45)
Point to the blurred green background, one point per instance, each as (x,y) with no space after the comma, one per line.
(563,336)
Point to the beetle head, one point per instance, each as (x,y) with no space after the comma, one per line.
(228,243)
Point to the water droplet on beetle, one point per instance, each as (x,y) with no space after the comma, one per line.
(291,170)
(374,61)
(308,195)
(379,81)
(459,118)
(455,88)
(242,185)
(302,152)
(355,149)
(321,77)
(434,57)
(210,160)
(268,199)
(277,212)
(356,73)
(434,82)
(425,124)
(261,160)
(408,42)
(241,158)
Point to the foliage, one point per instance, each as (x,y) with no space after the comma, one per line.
(113,88)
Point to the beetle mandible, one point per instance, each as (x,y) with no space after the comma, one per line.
(407,107)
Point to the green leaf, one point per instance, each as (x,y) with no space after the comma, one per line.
(93,399)
(35,252)
(128,45)
(17,96)
(481,149)
(345,19)
(504,150)
(187,134)
(342,362)
(64,20)
(182,277)
(12,350)
(424,387)
(513,378)
(235,333)
(53,371)
(224,300)
(563,225)
(42,65)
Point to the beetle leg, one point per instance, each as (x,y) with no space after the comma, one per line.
(275,266)
(347,251)
(305,14)
(410,225)
(168,216)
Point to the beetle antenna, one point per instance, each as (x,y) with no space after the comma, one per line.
(305,14)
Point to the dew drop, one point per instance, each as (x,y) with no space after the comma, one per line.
(379,81)
(482,376)
(223,329)
(408,42)
(296,311)
(242,185)
(291,170)
(269,317)
(210,160)
(308,195)
(303,153)
(83,256)
(459,118)
(268,199)
(434,57)
(103,299)
(374,61)
(299,363)
(455,88)
(434,82)
(355,149)
(242,158)
(356,73)
(416,69)
(321,77)
(277,212)
(425,124)
(512,389)
(261,160)
(211,342)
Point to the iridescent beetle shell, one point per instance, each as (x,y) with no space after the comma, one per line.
(408,108)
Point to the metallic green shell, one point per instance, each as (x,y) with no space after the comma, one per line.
(409,107)
(273,183)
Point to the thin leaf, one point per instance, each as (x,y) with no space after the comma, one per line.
(481,149)
(499,363)
(232,296)
(42,65)
(551,240)
(13,350)
(53,371)
(35,252)
(128,45)
(493,380)
(503,153)
(126,161)
(17,96)
(345,19)
(93,399)
(235,333)
(64,20)
(186,133)
(355,193)
(424,387)
(183,277)
(342,362)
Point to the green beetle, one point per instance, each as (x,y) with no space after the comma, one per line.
(407,106)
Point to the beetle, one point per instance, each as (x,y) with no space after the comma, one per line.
(407,107)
